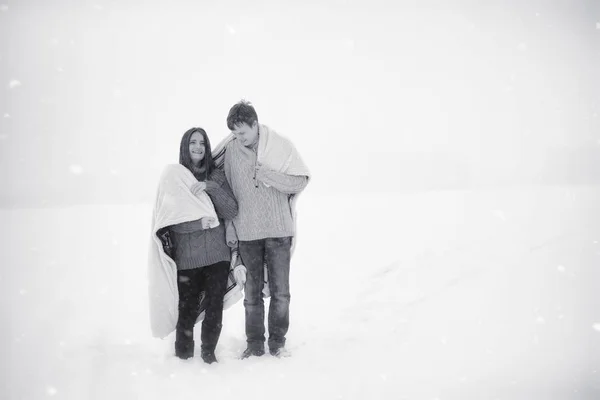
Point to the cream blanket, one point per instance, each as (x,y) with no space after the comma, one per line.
(175,204)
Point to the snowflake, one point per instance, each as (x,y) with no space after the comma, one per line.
(76,169)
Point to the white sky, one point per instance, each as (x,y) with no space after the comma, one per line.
(366,90)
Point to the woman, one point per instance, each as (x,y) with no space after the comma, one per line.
(200,251)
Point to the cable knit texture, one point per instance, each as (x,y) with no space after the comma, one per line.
(264,211)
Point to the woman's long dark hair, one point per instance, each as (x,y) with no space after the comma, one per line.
(186,160)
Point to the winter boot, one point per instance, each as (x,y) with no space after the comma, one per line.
(208,356)
(253,351)
(184,349)
(279,352)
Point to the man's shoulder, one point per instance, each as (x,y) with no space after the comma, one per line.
(230,146)
(228,149)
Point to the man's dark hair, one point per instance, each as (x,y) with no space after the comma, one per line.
(240,113)
(186,160)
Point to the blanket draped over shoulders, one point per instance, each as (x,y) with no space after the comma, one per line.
(175,203)
(276,152)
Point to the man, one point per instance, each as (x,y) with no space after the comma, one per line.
(265,173)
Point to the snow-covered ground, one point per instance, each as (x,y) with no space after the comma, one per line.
(436,295)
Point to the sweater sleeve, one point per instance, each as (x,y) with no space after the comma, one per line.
(222,196)
(288,184)
(187,227)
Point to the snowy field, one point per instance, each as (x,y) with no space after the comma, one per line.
(435,295)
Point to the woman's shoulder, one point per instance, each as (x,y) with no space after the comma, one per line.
(173,168)
(171,171)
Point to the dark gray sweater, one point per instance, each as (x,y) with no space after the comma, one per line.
(194,247)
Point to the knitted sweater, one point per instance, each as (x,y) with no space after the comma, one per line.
(263,197)
(194,247)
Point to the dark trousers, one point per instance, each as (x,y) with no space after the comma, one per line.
(213,280)
(276,253)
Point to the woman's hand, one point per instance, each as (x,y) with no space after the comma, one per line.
(239,274)
(197,188)
(206,222)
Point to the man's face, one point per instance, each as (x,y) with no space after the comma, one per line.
(246,134)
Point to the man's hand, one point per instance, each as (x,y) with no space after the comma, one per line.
(197,188)
(260,171)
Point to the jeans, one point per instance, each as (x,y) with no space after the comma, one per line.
(213,280)
(276,253)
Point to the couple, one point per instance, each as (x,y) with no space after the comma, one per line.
(220,223)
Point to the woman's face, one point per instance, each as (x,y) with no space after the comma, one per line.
(197,149)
